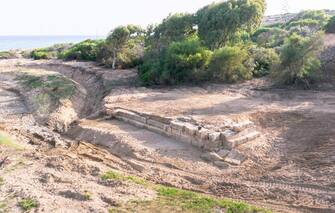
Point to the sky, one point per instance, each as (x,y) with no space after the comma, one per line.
(98,17)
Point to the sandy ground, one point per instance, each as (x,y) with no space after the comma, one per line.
(290,168)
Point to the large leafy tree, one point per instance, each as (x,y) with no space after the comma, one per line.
(120,38)
(218,23)
(176,27)
(299,60)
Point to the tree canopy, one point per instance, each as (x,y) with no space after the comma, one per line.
(219,22)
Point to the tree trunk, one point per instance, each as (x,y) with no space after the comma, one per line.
(114,60)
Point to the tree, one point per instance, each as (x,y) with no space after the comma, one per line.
(298,60)
(176,27)
(180,62)
(218,23)
(330,27)
(119,38)
(230,64)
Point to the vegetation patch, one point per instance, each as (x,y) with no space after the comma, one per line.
(56,86)
(5,140)
(28,204)
(177,200)
(112,175)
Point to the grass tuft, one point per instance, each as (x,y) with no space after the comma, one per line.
(112,175)
(28,204)
(5,140)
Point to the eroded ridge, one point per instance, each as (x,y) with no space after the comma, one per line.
(219,145)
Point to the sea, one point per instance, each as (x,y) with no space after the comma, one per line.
(30,42)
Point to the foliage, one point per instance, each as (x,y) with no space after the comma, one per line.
(308,22)
(86,51)
(178,200)
(7,141)
(264,59)
(330,27)
(7,54)
(40,54)
(123,46)
(184,61)
(269,37)
(28,204)
(176,27)
(230,64)
(219,22)
(112,175)
(56,86)
(50,52)
(299,62)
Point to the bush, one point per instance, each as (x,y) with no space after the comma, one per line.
(230,64)
(330,27)
(48,53)
(181,62)
(298,61)
(269,37)
(86,51)
(264,59)
(40,54)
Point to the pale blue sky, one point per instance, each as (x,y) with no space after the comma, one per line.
(91,17)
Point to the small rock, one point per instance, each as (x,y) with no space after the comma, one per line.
(215,136)
(211,156)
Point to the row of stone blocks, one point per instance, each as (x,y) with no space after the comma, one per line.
(187,132)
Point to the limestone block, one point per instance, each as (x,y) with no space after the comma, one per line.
(155,123)
(190,129)
(212,145)
(223,153)
(177,125)
(130,115)
(235,158)
(221,164)
(136,123)
(203,134)
(211,156)
(198,143)
(227,134)
(159,119)
(214,136)
(186,138)
(155,129)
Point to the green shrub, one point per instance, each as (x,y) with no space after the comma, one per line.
(86,51)
(264,59)
(28,204)
(270,37)
(230,64)
(298,61)
(39,54)
(330,27)
(181,62)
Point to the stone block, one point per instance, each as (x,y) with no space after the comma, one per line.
(130,115)
(221,164)
(186,138)
(214,136)
(160,119)
(235,158)
(177,125)
(155,123)
(223,153)
(203,134)
(212,145)
(211,156)
(198,143)
(190,129)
